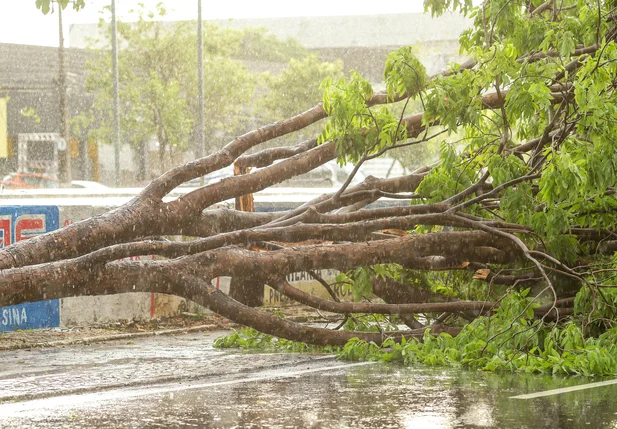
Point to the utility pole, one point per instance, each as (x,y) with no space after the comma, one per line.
(116,102)
(200,149)
(64,167)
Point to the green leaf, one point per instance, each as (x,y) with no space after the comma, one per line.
(404,74)
(568,44)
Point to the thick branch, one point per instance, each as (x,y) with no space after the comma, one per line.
(268,156)
(362,307)
(411,251)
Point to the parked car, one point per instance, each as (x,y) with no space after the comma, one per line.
(87,184)
(28,181)
(328,175)
(210,178)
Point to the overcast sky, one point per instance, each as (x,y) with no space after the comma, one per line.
(21,22)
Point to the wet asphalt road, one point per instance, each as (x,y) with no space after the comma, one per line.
(183,382)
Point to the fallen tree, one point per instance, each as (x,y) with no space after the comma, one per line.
(522,196)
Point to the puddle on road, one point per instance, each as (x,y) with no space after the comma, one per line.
(374,396)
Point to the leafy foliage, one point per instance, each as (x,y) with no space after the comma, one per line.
(248,338)
(524,86)
(158,83)
(443,284)
(46,5)
(297,86)
(438,7)
(532,122)
(509,340)
(258,44)
(358,129)
(372,323)
(292,91)
(453,101)
(404,74)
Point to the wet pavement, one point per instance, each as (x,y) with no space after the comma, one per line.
(182,381)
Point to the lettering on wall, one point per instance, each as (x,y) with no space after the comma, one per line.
(19,223)
(305,282)
(14,316)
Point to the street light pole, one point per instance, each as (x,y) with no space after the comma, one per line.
(64,170)
(116,102)
(200,150)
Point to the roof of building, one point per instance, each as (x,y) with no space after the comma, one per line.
(27,67)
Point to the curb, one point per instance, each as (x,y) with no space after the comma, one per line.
(111,337)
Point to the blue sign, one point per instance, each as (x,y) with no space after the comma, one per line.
(19,223)
(31,315)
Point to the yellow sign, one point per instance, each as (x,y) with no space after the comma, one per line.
(4,144)
(305,283)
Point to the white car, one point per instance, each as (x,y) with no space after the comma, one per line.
(87,184)
(328,175)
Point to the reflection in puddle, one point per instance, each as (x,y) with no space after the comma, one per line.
(479,414)
(427,420)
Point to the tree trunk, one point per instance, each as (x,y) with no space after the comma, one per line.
(247,291)
(64,164)
(244,289)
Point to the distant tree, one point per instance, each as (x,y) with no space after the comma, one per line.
(290,91)
(256,43)
(46,5)
(158,84)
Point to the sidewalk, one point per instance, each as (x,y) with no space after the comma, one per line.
(55,337)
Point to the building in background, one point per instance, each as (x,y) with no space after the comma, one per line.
(29,111)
